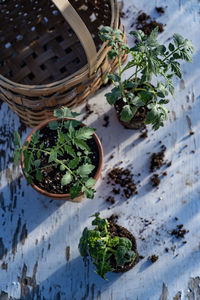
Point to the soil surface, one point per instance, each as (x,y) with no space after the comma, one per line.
(124,179)
(155,180)
(160,10)
(146,24)
(51,176)
(157,159)
(179,232)
(153,258)
(144,134)
(117,230)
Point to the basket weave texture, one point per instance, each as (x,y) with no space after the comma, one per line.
(51,55)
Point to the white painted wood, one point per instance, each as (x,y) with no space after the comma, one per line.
(36,267)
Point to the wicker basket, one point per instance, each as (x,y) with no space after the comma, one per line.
(51,55)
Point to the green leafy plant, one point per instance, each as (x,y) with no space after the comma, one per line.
(149,59)
(99,244)
(71,139)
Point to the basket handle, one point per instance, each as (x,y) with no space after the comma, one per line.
(79,27)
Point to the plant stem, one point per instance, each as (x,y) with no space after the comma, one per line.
(178,48)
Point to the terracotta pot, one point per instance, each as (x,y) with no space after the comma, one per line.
(63,196)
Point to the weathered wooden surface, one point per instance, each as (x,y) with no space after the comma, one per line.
(39,258)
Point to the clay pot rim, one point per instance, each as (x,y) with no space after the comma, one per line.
(61,196)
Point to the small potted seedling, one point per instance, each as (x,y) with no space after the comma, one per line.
(61,158)
(111,247)
(141,98)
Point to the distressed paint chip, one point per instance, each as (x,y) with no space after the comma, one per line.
(67,253)
(15,237)
(24,234)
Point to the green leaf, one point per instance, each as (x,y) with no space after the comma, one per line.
(61,137)
(126,113)
(75,190)
(84,133)
(71,123)
(82,145)
(178,39)
(112,54)
(161,49)
(66,179)
(160,94)
(53,125)
(163,101)
(35,137)
(17,156)
(113,96)
(74,163)
(145,96)
(37,163)
(52,156)
(39,175)
(152,115)
(171,89)
(88,192)
(135,100)
(171,47)
(139,34)
(176,55)
(152,39)
(114,77)
(70,150)
(84,242)
(17,140)
(64,112)
(85,170)
(29,178)
(90,182)
(28,160)
(175,67)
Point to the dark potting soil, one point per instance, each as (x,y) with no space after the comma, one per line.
(153,258)
(117,230)
(155,180)
(51,176)
(146,24)
(157,159)
(123,178)
(110,199)
(144,134)
(160,10)
(179,232)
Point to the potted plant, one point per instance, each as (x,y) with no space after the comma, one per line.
(61,158)
(141,98)
(112,247)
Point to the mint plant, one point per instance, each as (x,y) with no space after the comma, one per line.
(149,60)
(71,139)
(99,244)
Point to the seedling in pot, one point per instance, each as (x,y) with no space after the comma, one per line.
(62,148)
(108,251)
(141,91)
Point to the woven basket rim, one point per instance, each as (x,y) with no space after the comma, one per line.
(84,71)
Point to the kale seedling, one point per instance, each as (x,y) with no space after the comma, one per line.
(101,246)
(70,138)
(149,60)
